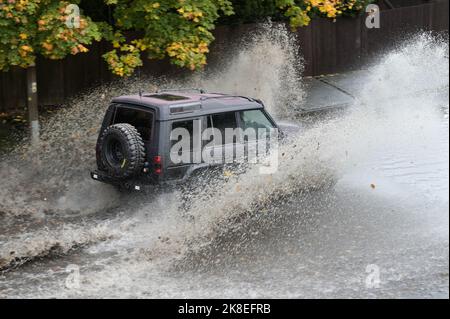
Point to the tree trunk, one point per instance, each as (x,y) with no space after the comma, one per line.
(32,103)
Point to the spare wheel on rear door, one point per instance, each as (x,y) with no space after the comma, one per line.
(122,151)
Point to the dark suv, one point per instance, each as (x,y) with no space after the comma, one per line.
(139,142)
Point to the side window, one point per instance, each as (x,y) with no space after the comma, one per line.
(188,126)
(143,121)
(185,140)
(225,121)
(209,126)
(256,120)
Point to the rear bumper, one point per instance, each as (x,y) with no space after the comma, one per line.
(104,178)
(130,184)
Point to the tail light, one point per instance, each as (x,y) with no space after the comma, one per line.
(157,160)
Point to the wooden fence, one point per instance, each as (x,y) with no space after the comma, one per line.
(327,47)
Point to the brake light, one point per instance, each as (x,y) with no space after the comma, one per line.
(157,160)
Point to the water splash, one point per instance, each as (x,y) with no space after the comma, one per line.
(162,237)
(326,151)
(52,178)
(266,65)
(25,247)
(418,65)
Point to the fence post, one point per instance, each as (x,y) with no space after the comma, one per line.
(32,103)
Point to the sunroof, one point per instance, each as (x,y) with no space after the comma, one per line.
(168,97)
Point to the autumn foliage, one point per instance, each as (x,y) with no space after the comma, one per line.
(32,27)
(178,29)
(301,12)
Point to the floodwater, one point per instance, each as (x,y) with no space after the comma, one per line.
(380,230)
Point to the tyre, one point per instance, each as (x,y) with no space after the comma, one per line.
(122,151)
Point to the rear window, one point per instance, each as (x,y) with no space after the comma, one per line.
(141,120)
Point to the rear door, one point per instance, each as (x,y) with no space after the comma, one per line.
(143,119)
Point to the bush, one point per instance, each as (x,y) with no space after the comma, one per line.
(300,12)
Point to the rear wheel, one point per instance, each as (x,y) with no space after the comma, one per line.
(122,151)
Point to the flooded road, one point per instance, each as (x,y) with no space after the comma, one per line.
(319,247)
(381,230)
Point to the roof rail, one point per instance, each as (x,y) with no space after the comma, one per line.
(201,91)
(225,96)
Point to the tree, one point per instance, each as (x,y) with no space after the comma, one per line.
(300,12)
(50,28)
(178,29)
(181,29)
(32,27)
